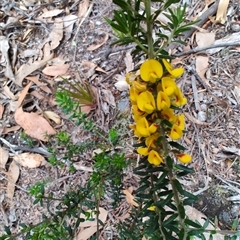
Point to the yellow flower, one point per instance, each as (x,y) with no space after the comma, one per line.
(133,94)
(163,101)
(168,85)
(184,158)
(143,151)
(152,208)
(137,113)
(178,98)
(151,70)
(154,158)
(130,77)
(177,72)
(143,128)
(139,86)
(151,140)
(169,115)
(146,102)
(176,132)
(180,121)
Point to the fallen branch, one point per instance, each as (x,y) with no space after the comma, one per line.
(196,50)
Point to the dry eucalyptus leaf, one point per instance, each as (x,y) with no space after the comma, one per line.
(57,33)
(204,39)
(121,83)
(79,166)
(13,174)
(98,45)
(7,130)
(23,94)
(39,84)
(34,125)
(68,23)
(83,8)
(91,226)
(202,67)
(4,155)
(1,111)
(236,92)
(51,13)
(52,116)
(56,70)
(129,197)
(30,160)
(4,48)
(129,62)
(27,69)
(108,97)
(222,11)
(7,92)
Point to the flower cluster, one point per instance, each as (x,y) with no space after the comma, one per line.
(154,95)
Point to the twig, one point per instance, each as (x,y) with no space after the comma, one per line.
(196,50)
(14,148)
(195,93)
(203,18)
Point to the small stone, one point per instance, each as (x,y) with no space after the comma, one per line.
(204,107)
(202,116)
(235,27)
(98,23)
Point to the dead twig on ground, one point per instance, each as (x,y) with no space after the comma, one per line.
(195,93)
(196,50)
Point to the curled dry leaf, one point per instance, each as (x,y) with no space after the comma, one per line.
(108,97)
(104,38)
(121,83)
(91,226)
(222,11)
(51,13)
(23,94)
(39,84)
(27,69)
(13,174)
(204,39)
(68,23)
(34,125)
(7,130)
(57,33)
(202,67)
(4,47)
(30,160)
(4,155)
(56,70)
(52,116)
(1,111)
(129,197)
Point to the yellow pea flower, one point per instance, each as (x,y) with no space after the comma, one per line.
(143,151)
(168,85)
(137,113)
(151,70)
(130,77)
(139,86)
(151,140)
(133,95)
(154,158)
(143,128)
(152,208)
(175,132)
(178,98)
(180,121)
(163,101)
(169,115)
(146,102)
(184,158)
(177,72)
